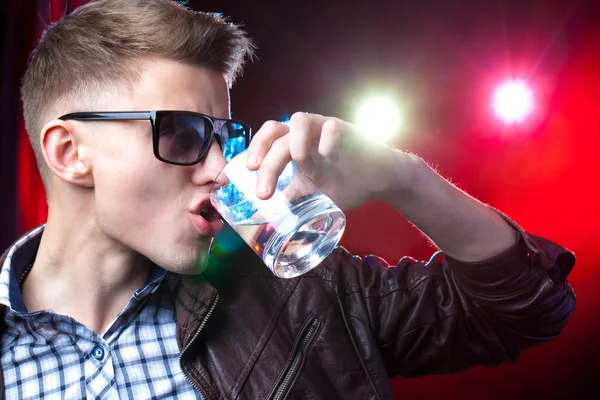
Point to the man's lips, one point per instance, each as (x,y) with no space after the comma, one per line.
(206,218)
(208,224)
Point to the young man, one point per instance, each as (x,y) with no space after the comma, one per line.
(127,107)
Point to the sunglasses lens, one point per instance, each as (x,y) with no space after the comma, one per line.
(234,139)
(182,137)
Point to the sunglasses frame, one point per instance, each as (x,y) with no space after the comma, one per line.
(155,117)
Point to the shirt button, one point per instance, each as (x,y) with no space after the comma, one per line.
(98,352)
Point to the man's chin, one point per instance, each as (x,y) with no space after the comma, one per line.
(201,262)
(191,259)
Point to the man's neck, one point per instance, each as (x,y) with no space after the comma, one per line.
(81,272)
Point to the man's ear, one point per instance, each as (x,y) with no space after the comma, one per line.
(64,153)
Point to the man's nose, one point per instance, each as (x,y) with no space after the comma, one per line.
(209,167)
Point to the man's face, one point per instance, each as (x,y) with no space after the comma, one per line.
(145,204)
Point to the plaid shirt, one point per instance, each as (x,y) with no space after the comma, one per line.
(50,355)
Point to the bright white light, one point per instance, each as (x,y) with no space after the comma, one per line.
(378,118)
(512,101)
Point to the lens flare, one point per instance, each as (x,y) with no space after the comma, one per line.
(379,118)
(512,101)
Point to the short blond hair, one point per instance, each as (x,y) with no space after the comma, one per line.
(97,47)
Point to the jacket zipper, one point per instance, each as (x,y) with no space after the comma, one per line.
(284,386)
(210,311)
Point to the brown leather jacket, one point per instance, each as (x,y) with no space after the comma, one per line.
(342,330)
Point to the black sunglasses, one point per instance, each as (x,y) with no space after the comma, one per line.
(181,137)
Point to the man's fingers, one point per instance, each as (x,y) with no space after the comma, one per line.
(307,136)
(304,130)
(263,140)
(331,139)
(272,165)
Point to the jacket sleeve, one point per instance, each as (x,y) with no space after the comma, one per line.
(444,315)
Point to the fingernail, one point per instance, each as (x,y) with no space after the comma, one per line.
(252,159)
(262,188)
(307,169)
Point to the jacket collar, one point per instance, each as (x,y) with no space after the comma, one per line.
(194,299)
(225,320)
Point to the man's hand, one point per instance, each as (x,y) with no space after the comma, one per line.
(345,164)
(351,169)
